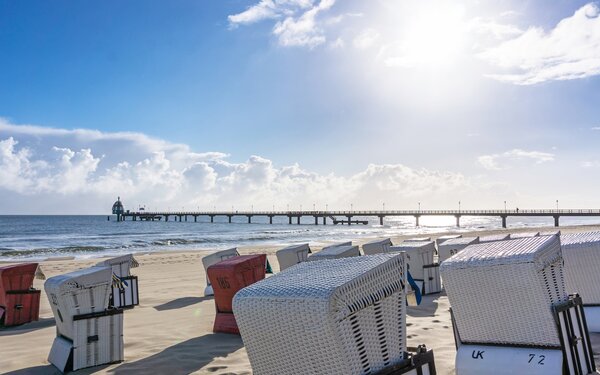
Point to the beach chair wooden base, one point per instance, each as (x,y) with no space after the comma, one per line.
(21,307)
(225,323)
(127,296)
(98,340)
(420,362)
(573,357)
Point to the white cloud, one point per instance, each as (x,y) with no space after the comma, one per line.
(491,27)
(54,166)
(365,39)
(298,23)
(303,30)
(595,128)
(590,164)
(569,51)
(338,43)
(503,161)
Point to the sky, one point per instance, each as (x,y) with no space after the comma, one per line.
(221,104)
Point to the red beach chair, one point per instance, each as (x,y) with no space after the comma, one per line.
(19,302)
(227,278)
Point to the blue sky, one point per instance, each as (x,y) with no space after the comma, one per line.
(205,103)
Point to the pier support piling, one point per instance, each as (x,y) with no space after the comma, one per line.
(458,221)
(270,219)
(212,218)
(324,220)
(298,220)
(249,219)
(185,217)
(229,217)
(556,220)
(195,218)
(417,217)
(504,222)
(381,220)
(349,220)
(316,220)
(290,220)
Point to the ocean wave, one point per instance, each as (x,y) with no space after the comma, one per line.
(51,251)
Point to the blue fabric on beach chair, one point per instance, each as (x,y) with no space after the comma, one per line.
(415,287)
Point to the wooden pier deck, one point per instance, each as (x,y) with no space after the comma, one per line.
(348,217)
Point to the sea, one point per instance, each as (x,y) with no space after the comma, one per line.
(42,237)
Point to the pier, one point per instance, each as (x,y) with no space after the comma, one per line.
(351,217)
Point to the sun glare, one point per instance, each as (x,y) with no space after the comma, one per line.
(431,37)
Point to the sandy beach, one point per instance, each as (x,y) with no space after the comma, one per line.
(170,332)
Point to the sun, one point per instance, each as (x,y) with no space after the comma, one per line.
(433,35)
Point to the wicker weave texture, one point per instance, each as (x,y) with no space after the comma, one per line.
(418,254)
(494,238)
(451,247)
(339,316)
(502,292)
(292,255)
(515,236)
(80,292)
(377,247)
(336,252)
(121,265)
(581,252)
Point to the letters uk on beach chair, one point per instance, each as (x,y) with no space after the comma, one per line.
(420,262)
(215,258)
(227,278)
(19,301)
(88,333)
(451,247)
(336,316)
(511,312)
(581,252)
(125,293)
(335,252)
(292,255)
(377,247)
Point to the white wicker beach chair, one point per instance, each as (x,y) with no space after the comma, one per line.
(516,236)
(581,252)
(215,258)
(550,233)
(87,332)
(451,247)
(419,259)
(377,247)
(447,237)
(506,299)
(292,255)
(126,294)
(336,252)
(339,316)
(494,238)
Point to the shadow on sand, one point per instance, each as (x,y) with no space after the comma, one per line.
(186,357)
(181,302)
(51,370)
(427,308)
(17,330)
